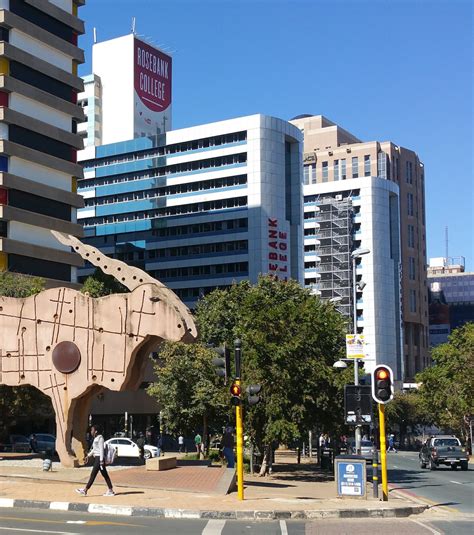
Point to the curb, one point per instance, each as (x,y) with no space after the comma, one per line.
(124,510)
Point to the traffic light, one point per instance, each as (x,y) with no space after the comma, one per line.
(236,392)
(252,391)
(382,384)
(222,362)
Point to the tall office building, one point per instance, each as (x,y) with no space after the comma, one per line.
(200,207)
(343,217)
(38,141)
(332,154)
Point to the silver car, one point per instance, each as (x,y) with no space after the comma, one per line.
(366,448)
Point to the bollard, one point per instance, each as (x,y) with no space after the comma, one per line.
(47,464)
(375,472)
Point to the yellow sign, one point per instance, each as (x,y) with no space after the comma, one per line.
(355,346)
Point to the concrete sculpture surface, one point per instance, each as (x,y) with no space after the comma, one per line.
(71,346)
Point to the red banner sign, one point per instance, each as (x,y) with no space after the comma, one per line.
(152,76)
(277,250)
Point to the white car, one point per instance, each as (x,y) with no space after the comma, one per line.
(127,448)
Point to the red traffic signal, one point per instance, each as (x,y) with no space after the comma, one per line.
(382,384)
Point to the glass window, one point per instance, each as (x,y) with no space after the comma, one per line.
(336,170)
(412,300)
(355,167)
(409,172)
(306,174)
(312,173)
(343,169)
(411,268)
(367,165)
(325,171)
(410,205)
(411,236)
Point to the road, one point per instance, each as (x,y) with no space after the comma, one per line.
(451,489)
(27,522)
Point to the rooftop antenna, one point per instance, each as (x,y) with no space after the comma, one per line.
(446,241)
(133,25)
(94,32)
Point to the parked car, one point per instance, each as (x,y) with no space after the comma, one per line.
(45,443)
(443,449)
(366,448)
(127,448)
(19,444)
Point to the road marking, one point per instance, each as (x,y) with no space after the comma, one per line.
(39,531)
(456,482)
(429,528)
(284,530)
(76,522)
(214,527)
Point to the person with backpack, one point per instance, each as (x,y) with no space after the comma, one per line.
(141,447)
(98,453)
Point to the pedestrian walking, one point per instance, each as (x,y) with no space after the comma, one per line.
(391,444)
(141,447)
(34,444)
(197,443)
(181,444)
(228,447)
(97,452)
(159,444)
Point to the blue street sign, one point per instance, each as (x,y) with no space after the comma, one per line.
(350,475)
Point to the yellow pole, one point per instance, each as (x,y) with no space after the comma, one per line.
(240,447)
(383,452)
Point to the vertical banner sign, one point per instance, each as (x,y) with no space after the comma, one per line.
(355,346)
(152,83)
(278,250)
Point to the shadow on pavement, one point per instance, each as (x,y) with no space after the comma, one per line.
(267,484)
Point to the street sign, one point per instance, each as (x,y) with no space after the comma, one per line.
(355,346)
(351,476)
(357,404)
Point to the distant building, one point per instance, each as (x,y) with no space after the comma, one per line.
(331,156)
(448,276)
(38,141)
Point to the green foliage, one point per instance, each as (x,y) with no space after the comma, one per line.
(187,388)
(100,284)
(18,285)
(290,340)
(406,409)
(18,402)
(447,387)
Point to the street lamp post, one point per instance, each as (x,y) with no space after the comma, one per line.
(355,255)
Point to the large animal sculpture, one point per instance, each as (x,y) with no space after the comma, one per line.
(71,346)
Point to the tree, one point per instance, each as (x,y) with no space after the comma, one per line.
(188,389)
(16,403)
(447,387)
(406,410)
(290,339)
(100,284)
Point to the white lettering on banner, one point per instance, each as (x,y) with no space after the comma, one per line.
(152,86)
(152,63)
(277,243)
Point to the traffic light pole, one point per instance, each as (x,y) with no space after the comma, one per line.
(239,425)
(383,451)
(358,427)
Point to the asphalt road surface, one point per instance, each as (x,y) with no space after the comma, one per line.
(453,490)
(27,522)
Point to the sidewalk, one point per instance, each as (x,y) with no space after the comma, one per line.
(293,491)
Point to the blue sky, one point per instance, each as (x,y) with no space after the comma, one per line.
(385,70)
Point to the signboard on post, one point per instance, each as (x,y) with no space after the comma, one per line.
(351,476)
(355,346)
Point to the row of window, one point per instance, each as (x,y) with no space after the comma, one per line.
(202,228)
(185,146)
(197,293)
(202,185)
(218,204)
(186,167)
(339,170)
(233,268)
(39,205)
(33,140)
(200,249)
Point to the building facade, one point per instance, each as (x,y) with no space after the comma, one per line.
(201,207)
(355,214)
(38,141)
(332,154)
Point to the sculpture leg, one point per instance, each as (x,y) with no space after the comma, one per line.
(64,420)
(81,408)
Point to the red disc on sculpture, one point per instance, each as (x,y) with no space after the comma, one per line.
(66,357)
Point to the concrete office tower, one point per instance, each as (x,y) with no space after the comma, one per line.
(134,99)
(332,154)
(340,217)
(203,207)
(38,143)
(90,100)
